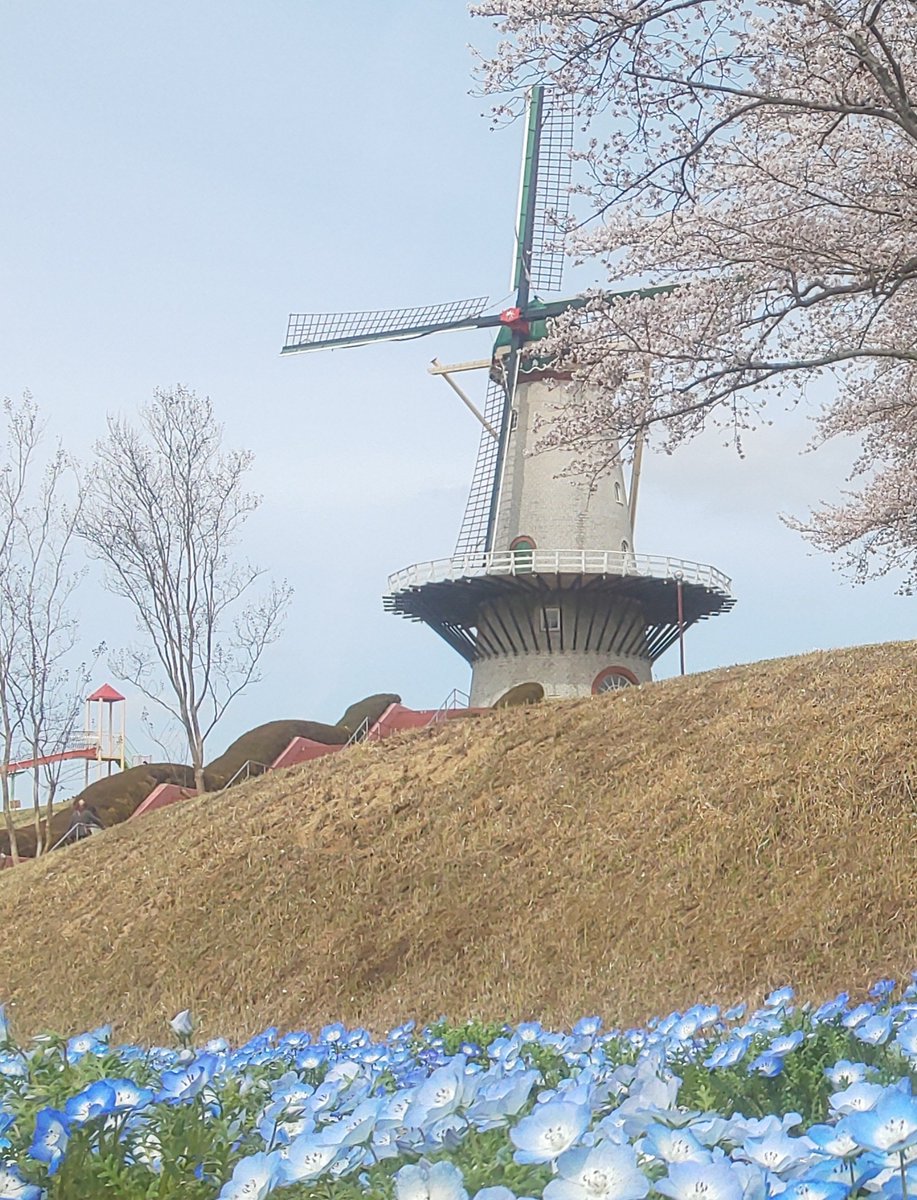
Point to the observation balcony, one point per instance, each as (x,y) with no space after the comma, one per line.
(618,563)
(487,604)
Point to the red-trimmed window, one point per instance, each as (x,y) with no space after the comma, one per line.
(612,679)
(522,549)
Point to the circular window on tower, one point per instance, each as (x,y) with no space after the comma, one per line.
(612,679)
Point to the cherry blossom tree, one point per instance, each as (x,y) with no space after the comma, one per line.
(759,162)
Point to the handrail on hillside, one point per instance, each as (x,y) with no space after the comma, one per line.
(455,700)
(76,833)
(360,733)
(247,771)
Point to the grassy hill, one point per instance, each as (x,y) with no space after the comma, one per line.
(707,837)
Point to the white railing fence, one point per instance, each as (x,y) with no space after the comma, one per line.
(560,562)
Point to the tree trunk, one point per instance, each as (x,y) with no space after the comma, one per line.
(8,817)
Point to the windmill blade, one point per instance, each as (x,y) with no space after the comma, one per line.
(552,193)
(544,193)
(327,331)
(472,538)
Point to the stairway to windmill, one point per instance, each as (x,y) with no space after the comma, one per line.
(545,587)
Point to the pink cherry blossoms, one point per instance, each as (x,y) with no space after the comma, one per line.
(761,158)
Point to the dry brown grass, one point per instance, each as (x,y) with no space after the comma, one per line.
(114,798)
(702,838)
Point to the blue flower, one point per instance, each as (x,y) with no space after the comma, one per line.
(786,1042)
(353,1128)
(875,1030)
(187,1082)
(549,1130)
(857,1015)
(254,1178)
(421,1181)
(853,1173)
(894,1188)
(499,1099)
(859,1097)
(588,1026)
(906,1038)
(447,1089)
(882,989)
(780,998)
(129,1095)
(767,1064)
(94,1101)
(49,1141)
(673,1145)
(604,1172)
(844,1073)
(305,1159)
(829,1010)
(701,1181)
(777,1152)
(889,1127)
(14,1187)
(12,1066)
(815,1189)
(834,1139)
(727,1054)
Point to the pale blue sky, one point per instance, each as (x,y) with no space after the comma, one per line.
(179,176)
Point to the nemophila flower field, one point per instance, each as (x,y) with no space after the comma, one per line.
(794,1101)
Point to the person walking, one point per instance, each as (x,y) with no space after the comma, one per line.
(84,820)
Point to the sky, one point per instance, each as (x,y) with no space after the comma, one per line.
(180,176)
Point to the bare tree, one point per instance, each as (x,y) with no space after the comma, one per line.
(40,691)
(163,517)
(758,163)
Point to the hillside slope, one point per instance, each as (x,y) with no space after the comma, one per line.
(706,837)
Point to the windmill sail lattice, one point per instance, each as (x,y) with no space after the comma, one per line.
(322,331)
(472,538)
(552,197)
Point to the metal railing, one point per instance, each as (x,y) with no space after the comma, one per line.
(559,562)
(249,770)
(76,833)
(455,700)
(360,733)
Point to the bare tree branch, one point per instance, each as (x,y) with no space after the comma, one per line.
(164,517)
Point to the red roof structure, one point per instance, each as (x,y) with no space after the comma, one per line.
(106,693)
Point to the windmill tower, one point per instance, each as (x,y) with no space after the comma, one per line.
(545,585)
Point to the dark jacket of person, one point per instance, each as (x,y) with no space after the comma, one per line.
(85,818)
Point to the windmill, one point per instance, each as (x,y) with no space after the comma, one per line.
(544,586)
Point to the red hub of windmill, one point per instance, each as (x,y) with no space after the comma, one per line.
(513,319)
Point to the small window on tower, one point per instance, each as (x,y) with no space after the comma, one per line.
(551,620)
(522,548)
(619,495)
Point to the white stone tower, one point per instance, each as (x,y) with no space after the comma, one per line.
(545,586)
